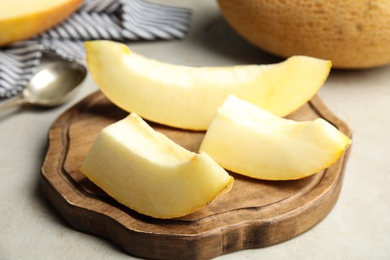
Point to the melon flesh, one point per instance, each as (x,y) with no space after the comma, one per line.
(188,97)
(248,140)
(23,19)
(149,173)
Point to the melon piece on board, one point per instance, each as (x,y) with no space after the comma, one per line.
(248,140)
(149,173)
(188,97)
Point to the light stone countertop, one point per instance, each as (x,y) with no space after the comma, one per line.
(357,228)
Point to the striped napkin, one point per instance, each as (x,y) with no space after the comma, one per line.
(119,20)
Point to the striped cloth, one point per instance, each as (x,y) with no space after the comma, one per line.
(119,20)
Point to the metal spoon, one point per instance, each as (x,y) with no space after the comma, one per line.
(51,86)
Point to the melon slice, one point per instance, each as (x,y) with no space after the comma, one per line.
(149,173)
(248,140)
(188,97)
(22,19)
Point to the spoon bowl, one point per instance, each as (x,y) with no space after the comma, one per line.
(51,86)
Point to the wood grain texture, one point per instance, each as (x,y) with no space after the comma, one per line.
(253,214)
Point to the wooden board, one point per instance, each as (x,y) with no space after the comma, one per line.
(253,214)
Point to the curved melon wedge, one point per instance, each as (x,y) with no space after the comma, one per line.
(250,141)
(22,19)
(188,97)
(149,173)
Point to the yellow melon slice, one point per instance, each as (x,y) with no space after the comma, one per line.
(188,97)
(22,19)
(250,141)
(149,173)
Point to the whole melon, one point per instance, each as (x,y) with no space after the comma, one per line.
(353,34)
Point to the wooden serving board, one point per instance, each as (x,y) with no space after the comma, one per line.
(253,214)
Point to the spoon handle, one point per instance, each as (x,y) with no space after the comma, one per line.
(15,101)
